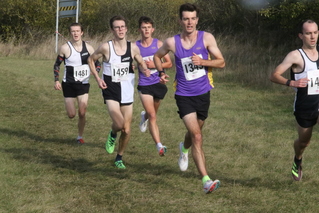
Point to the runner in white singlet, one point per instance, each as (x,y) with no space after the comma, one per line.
(306,104)
(75,83)
(118,84)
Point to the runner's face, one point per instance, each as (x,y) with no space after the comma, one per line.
(76,33)
(146,30)
(309,35)
(189,21)
(119,29)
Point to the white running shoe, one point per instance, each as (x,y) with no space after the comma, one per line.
(183,158)
(211,186)
(143,123)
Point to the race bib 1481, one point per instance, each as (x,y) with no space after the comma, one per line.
(81,73)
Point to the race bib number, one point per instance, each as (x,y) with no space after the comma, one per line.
(150,58)
(313,83)
(120,72)
(192,71)
(81,73)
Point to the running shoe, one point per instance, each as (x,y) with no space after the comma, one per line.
(143,123)
(110,143)
(211,186)
(183,158)
(296,172)
(119,164)
(80,141)
(162,151)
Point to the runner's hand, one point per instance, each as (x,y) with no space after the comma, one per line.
(57,86)
(164,78)
(101,84)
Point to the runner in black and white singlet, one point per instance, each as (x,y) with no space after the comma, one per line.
(76,68)
(304,104)
(75,83)
(303,64)
(150,89)
(195,52)
(118,84)
(119,76)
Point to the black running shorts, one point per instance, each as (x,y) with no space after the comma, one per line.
(73,90)
(158,91)
(306,120)
(188,104)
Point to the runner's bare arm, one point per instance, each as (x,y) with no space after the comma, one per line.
(293,59)
(91,61)
(138,58)
(216,58)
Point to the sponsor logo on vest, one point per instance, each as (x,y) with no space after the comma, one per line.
(83,54)
(126,59)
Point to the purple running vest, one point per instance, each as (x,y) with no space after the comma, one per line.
(148,52)
(197,86)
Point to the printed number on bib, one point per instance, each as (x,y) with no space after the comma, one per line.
(120,72)
(81,73)
(313,83)
(150,58)
(192,71)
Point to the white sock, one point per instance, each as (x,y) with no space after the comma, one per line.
(159,146)
(79,137)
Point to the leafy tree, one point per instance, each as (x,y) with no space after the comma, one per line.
(163,12)
(23,20)
(20,18)
(287,14)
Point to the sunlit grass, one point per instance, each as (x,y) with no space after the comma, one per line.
(247,141)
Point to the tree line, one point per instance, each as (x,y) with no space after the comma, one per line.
(29,21)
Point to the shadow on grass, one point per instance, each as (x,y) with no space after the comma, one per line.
(63,164)
(81,164)
(24,134)
(139,172)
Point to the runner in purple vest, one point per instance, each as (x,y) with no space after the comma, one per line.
(196,52)
(150,89)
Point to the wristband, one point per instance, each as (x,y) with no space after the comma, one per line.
(288,82)
(160,73)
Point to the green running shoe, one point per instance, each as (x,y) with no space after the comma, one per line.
(296,172)
(119,164)
(110,143)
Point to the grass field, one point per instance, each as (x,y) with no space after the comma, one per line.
(248,141)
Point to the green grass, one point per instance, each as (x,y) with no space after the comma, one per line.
(248,141)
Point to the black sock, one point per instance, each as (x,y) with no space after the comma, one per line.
(118,157)
(297,161)
(113,135)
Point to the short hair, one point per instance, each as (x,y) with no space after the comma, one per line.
(145,19)
(300,28)
(76,25)
(188,7)
(117,18)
